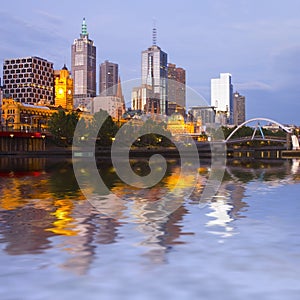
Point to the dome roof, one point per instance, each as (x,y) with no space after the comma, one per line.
(176,117)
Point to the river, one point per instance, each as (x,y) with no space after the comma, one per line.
(244,243)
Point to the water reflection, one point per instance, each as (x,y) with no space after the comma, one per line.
(41,207)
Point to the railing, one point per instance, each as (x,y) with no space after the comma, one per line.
(259,138)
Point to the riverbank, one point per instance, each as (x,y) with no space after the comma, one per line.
(205,150)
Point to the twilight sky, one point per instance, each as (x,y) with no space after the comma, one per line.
(257,41)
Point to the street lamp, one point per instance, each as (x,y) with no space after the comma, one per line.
(11,142)
(44,144)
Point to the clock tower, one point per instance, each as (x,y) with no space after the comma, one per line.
(63,88)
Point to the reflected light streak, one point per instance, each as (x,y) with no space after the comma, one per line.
(64,225)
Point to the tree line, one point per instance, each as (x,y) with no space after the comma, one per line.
(62,127)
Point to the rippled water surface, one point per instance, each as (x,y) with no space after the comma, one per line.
(244,243)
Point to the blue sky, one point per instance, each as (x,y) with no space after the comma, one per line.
(257,41)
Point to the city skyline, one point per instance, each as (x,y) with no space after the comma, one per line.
(255,42)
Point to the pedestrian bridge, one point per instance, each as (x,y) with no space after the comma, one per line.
(258,128)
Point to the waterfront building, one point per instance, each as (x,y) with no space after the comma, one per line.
(177,125)
(83,68)
(17,116)
(63,86)
(239,111)
(155,74)
(29,80)
(176,89)
(26,117)
(222,98)
(108,75)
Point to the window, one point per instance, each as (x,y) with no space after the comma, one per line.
(79,46)
(79,60)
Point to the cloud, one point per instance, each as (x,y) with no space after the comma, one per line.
(285,67)
(253,85)
(49,18)
(22,37)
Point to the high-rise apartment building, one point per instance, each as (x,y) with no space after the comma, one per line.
(155,73)
(109,75)
(83,67)
(63,88)
(239,111)
(176,89)
(221,96)
(29,80)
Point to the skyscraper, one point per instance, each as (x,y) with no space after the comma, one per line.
(221,96)
(109,74)
(29,80)
(83,67)
(176,89)
(155,73)
(239,111)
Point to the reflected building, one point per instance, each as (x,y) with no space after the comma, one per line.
(226,206)
(25,230)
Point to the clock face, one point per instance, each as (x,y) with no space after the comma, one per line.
(60,91)
(69,92)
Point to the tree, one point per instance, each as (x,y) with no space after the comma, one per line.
(62,126)
(108,128)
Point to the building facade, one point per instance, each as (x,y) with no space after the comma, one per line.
(176,89)
(108,75)
(155,74)
(1,97)
(144,99)
(222,97)
(203,117)
(63,86)
(24,117)
(114,104)
(28,80)
(83,68)
(239,109)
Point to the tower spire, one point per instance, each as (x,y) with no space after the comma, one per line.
(154,33)
(84,29)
